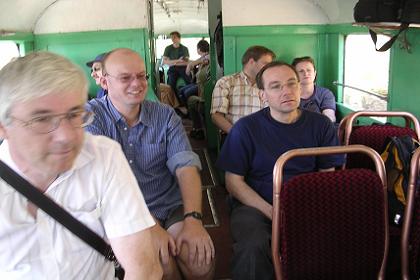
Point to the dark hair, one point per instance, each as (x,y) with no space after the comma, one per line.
(203,46)
(259,79)
(298,60)
(176,33)
(256,52)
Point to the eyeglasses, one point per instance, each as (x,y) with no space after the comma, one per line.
(277,87)
(48,123)
(95,69)
(128,78)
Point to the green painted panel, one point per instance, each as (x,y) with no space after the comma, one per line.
(404,86)
(286,45)
(81,47)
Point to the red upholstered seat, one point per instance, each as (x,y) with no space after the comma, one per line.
(373,136)
(330,225)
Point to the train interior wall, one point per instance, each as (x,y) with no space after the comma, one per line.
(326,44)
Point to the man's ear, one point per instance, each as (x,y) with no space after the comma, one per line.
(3,134)
(263,96)
(104,83)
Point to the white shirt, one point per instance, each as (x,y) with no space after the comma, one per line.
(99,190)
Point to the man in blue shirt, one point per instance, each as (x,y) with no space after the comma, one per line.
(157,148)
(248,156)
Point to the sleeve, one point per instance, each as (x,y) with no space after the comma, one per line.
(236,153)
(96,127)
(220,98)
(179,150)
(186,52)
(123,208)
(329,138)
(167,52)
(328,100)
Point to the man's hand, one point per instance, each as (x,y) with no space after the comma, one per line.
(199,244)
(164,243)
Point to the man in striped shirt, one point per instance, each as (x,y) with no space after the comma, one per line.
(237,95)
(155,143)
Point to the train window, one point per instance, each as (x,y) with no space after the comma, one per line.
(190,43)
(366,74)
(8,50)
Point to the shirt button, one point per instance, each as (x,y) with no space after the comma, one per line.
(131,144)
(130,161)
(125,128)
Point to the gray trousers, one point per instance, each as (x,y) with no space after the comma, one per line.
(251,232)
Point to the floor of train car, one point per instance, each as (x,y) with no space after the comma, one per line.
(215,208)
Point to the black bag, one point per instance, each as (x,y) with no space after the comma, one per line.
(397,158)
(384,11)
(378,11)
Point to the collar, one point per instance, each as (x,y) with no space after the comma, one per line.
(144,117)
(245,78)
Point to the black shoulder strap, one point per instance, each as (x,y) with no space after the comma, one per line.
(391,41)
(55,211)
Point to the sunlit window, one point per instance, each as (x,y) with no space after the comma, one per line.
(8,51)
(366,74)
(190,43)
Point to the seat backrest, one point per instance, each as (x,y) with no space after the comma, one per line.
(410,241)
(330,225)
(373,136)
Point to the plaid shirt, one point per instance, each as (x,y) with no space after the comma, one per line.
(236,97)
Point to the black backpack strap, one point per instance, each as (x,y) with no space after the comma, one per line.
(56,212)
(391,41)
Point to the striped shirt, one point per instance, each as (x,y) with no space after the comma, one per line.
(236,97)
(155,147)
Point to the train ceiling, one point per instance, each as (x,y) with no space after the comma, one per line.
(47,16)
(186,16)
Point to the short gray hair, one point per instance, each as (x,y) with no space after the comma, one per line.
(35,75)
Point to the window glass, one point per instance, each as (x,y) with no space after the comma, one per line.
(8,50)
(366,74)
(190,43)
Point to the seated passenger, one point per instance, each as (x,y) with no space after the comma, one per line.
(193,94)
(249,154)
(157,148)
(96,73)
(176,56)
(237,95)
(193,69)
(313,98)
(87,175)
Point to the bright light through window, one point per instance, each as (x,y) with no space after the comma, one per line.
(366,74)
(190,43)
(8,50)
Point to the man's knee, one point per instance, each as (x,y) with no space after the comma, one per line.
(192,270)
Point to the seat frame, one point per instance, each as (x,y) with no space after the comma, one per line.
(346,125)
(408,214)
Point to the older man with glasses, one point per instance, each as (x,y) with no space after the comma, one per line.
(155,143)
(42,115)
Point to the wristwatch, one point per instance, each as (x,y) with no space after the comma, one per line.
(194,214)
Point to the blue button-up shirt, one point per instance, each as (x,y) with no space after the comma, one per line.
(155,147)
